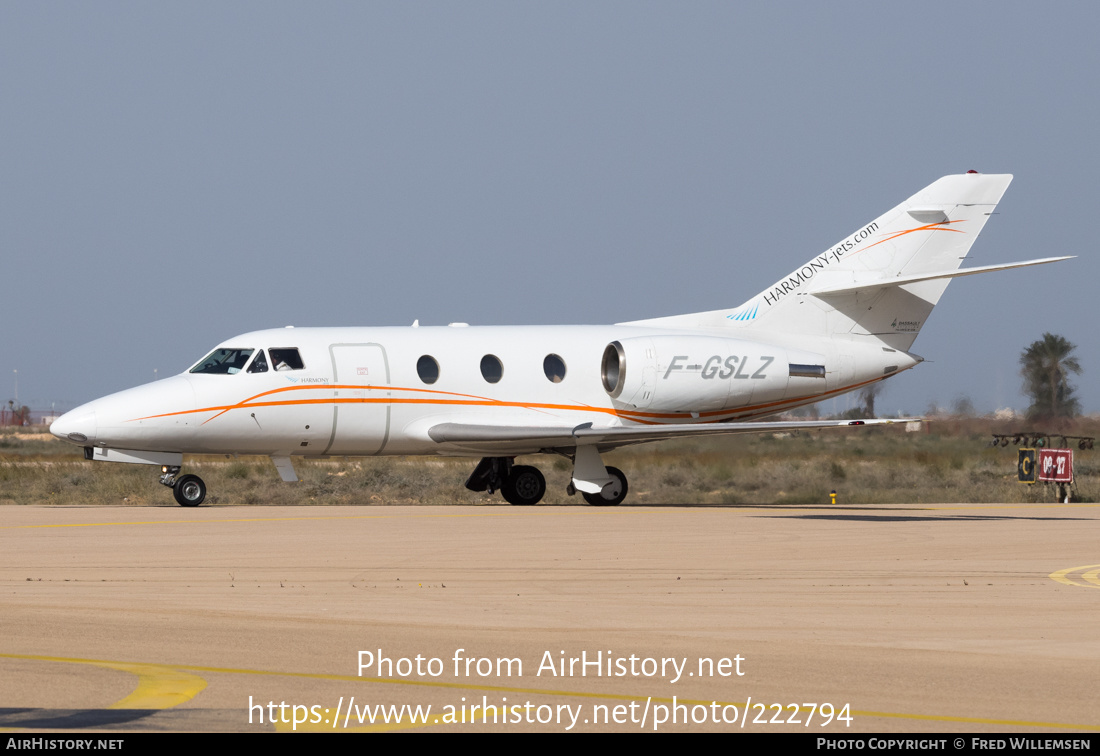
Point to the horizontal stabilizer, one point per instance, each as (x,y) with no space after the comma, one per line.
(902,280)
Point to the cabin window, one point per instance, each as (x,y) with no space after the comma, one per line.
(259,364)
(428,369)
(223,362)
(491,369)
(554,367)
(286,358)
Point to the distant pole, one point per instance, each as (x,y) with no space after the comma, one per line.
(16,372)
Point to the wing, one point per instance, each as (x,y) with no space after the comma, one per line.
(505,440)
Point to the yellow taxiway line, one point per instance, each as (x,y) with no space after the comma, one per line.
(1091,578)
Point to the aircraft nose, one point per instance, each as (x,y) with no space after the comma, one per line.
(77,426)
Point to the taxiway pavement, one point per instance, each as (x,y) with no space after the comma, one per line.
(970,618)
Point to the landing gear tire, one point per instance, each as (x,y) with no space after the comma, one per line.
(524,486)
(189,491)
(612,494)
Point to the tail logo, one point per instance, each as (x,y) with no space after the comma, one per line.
(746,313)
(807,271)
(929,227)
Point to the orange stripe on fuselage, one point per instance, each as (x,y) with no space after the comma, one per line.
(325,386)
(472,400)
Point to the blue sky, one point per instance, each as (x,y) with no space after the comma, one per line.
(175,174)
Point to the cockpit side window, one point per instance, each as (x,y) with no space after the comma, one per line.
(224,361)
(259,365)
(286,358)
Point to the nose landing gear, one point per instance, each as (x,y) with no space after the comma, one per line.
(189,490)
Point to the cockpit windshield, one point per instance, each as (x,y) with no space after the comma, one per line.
(224,361)
(259,365)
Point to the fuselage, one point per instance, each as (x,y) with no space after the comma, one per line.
(369,391)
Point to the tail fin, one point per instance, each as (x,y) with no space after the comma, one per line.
(881,281)
(853,287)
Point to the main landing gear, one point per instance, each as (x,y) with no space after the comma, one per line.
(189,490)
(611,494)
(523,485)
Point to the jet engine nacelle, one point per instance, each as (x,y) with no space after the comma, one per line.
(703,373)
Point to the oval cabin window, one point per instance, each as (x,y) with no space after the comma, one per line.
(554,367)
(428,369)
(491,369)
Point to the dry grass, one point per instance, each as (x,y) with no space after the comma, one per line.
(950,461)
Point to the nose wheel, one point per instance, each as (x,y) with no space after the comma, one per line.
(189,490)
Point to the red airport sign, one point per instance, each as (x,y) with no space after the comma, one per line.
(1056,465)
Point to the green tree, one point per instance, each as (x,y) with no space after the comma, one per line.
(866,408)
(868,394)
(1045,366)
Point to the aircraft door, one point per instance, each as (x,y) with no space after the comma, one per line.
(361,409)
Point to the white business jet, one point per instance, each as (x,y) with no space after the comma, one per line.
(845,319)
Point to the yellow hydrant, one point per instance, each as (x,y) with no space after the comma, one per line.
(832,497)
